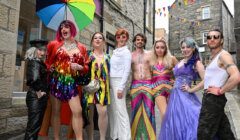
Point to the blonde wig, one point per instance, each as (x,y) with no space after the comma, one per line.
(167,58)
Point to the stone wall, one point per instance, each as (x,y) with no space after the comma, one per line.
(228,31)
(85,35)
(179,29)
(10,116)
(237,29)
(128,15)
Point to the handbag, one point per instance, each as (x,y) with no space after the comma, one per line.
(92,87)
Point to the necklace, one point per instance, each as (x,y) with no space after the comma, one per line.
(69,47)
(212,57)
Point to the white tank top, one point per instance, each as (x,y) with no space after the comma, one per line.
(214,75)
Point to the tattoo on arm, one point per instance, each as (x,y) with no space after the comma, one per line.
(229,65)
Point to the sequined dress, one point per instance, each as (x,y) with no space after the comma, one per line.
(100,72)
(63,83)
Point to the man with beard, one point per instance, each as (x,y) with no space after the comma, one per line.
(213,121)
(142,103)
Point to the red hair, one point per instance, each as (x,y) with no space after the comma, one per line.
(122,31)
(69,23)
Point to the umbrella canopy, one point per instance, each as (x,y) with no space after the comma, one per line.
(53,12)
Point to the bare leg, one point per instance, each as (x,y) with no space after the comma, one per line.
(55,116)
(91,125)
(77,121)
(102,120)
(162,104)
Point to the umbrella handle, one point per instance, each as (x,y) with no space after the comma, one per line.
(66,11)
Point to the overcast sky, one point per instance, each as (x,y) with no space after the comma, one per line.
(161,21)
(230,5)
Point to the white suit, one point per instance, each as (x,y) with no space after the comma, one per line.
(120,66)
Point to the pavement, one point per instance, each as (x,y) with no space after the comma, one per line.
(232,110)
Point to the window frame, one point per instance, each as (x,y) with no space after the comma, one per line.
(204,13)
(204,37)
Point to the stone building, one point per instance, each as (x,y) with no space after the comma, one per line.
(161,33)
(196,19)
(237,29)
(19,24)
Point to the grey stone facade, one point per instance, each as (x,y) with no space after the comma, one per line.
(10,116)
(219,18)
(237,29)
(127,14)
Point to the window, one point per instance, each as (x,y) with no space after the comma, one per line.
(206,12)
(204,37)
(29,28)
(110,38)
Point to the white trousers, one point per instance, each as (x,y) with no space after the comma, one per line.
(118,115)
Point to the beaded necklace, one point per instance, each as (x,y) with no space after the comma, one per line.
(69,47)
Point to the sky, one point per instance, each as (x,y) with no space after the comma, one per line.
(230,5)
(162,22)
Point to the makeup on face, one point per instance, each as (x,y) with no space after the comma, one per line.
(160,48)
(65,30)
(121,36)
(98,37)
(97,40)
(187,51)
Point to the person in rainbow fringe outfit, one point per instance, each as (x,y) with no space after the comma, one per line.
(99,66)
(67,64)
(142,103)
(162,63)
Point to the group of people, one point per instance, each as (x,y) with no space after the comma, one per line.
(56,94)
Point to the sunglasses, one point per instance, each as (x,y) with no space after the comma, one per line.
(121,36)
(213,37)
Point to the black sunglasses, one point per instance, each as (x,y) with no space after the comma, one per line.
(213,36)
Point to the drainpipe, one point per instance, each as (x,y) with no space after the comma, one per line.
(154,5)
(101,18)
(144,16)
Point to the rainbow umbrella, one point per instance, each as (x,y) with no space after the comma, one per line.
(53,12)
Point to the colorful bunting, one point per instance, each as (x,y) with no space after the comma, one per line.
(185,2)
(164,11)
(179,2)
(184,20)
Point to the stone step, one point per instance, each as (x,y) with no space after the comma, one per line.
(19,94)
(19,98)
